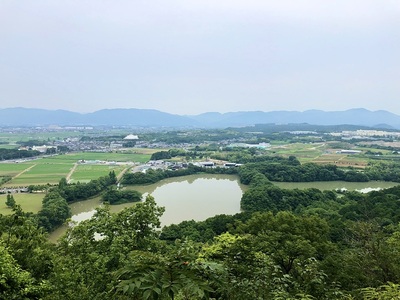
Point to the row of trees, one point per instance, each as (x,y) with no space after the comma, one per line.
(4,179)
(81,191)
(7,154)
(153,176)
(291,171)
(114,196)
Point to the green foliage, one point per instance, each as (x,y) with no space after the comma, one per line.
(55,211)
(6,154)
(25,257)
(81,191)
(14,282)
(271,198)
(153,176)
(161,155)
(288,244)
(390,291)
(113,196)
(91,251)
(10,201)
(202,231)
(159,276)
(4,179)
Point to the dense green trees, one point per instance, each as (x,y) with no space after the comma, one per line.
(81,191)
(155,175)
(92,251)
(54,212)
(6,154)
(26,257)
(114,196)
(286,244)
(315,251)
(10,201)
(15,283)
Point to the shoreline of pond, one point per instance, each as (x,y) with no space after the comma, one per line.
(85,209)
(169,192)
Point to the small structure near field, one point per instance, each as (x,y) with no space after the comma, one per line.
(131,137)
(348,152)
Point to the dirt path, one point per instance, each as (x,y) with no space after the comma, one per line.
(26,170)
(122,173)
(68,178)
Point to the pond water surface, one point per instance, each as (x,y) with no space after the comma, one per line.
(193,197)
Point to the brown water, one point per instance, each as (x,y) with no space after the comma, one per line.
(196,197)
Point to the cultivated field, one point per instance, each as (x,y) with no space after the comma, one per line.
(85,173)
(52,169)
(13,169)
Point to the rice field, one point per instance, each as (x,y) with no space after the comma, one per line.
(50,170)
(85,173)
(12,169)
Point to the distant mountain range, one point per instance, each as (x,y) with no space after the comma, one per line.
(154,118)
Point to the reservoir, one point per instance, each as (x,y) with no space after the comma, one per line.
(193,197)
(196,197)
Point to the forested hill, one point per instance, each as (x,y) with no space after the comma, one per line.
(155,118)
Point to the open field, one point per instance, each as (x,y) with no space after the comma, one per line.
(12,137)
(101,156)
(52,169)
(28,202)
(303,152)
(41,173)
(320,153)
(84,173)
(12,169)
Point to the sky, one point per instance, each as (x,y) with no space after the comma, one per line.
(195,56)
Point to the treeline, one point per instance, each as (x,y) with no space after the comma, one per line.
(290,170)
(55,209)
(4,179)
(153,176)
(80,191)
(114,196)
(171,153)
(7,154)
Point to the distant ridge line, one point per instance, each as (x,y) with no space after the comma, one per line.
(135,117)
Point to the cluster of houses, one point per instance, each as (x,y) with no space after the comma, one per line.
(161,164)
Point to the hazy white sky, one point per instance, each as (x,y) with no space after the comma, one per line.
(189,57)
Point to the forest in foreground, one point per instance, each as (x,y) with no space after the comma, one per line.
(286,244)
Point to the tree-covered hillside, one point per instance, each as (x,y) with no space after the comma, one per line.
(286,244)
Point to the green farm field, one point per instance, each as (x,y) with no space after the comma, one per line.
(52,169)
(29,202)
(41,173)
(85,173)
(320,153)
(12,137)
(304,152)
(107,156)
(12,169)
